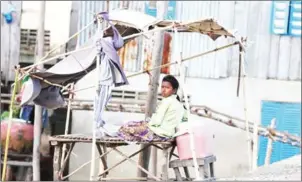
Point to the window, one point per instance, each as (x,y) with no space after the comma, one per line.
(286,18)
(150,9)
(294,26)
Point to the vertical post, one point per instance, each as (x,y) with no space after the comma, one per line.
(184,92)
(94,128)
(153,86)
(255,145)
(249,146)
(269,145)
(70,99)
(38,109)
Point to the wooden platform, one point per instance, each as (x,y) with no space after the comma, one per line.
(102,144)
(82,138)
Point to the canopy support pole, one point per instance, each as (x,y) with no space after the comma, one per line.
(11,107)
(184,92)
(248,137)
(94,128)
(70,99)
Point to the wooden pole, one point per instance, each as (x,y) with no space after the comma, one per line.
(249,146)
(269,144)
(70,99)
(97,86)
(9,126)
(232,121)
(157,53)
(181,69)
(38,109)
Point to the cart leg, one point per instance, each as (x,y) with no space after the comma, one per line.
(165,167)
(57,162)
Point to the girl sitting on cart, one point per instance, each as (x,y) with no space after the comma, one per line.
(162,125)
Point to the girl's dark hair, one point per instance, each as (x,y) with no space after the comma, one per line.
(174,83)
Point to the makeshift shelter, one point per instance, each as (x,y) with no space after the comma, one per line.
(58,78)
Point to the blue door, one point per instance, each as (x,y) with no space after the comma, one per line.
(288,119)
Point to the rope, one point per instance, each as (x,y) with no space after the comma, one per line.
(9,125)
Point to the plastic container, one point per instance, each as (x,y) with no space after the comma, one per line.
(21,136)
(203,141)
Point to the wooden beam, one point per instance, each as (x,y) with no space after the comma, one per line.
(18,163)
(153,85)
(269,145)
(38,109)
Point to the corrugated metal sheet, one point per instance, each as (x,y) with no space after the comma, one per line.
(288,119)
(269,56)
(212,65)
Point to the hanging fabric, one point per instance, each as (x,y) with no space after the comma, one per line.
(9,15)
(111,72)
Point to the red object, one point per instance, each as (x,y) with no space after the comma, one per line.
(21,136)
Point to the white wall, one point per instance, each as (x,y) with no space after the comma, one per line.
(229,143)
(57,17)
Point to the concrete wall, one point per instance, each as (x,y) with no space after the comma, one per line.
(57,18)
(229,143)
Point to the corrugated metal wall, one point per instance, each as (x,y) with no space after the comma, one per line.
(269,56)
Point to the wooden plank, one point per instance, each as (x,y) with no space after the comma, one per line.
(284,57)
(295,59)
(189,162)
(18,163)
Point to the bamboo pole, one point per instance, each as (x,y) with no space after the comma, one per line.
(97,86)
(172,63)
(38,109)
(85,164)
(9,126)
(249,146)
(184,92)
(157,54)
(67,122)
(269,145)
(240,123)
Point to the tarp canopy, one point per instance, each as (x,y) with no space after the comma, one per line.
(133,22)
(127,22)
